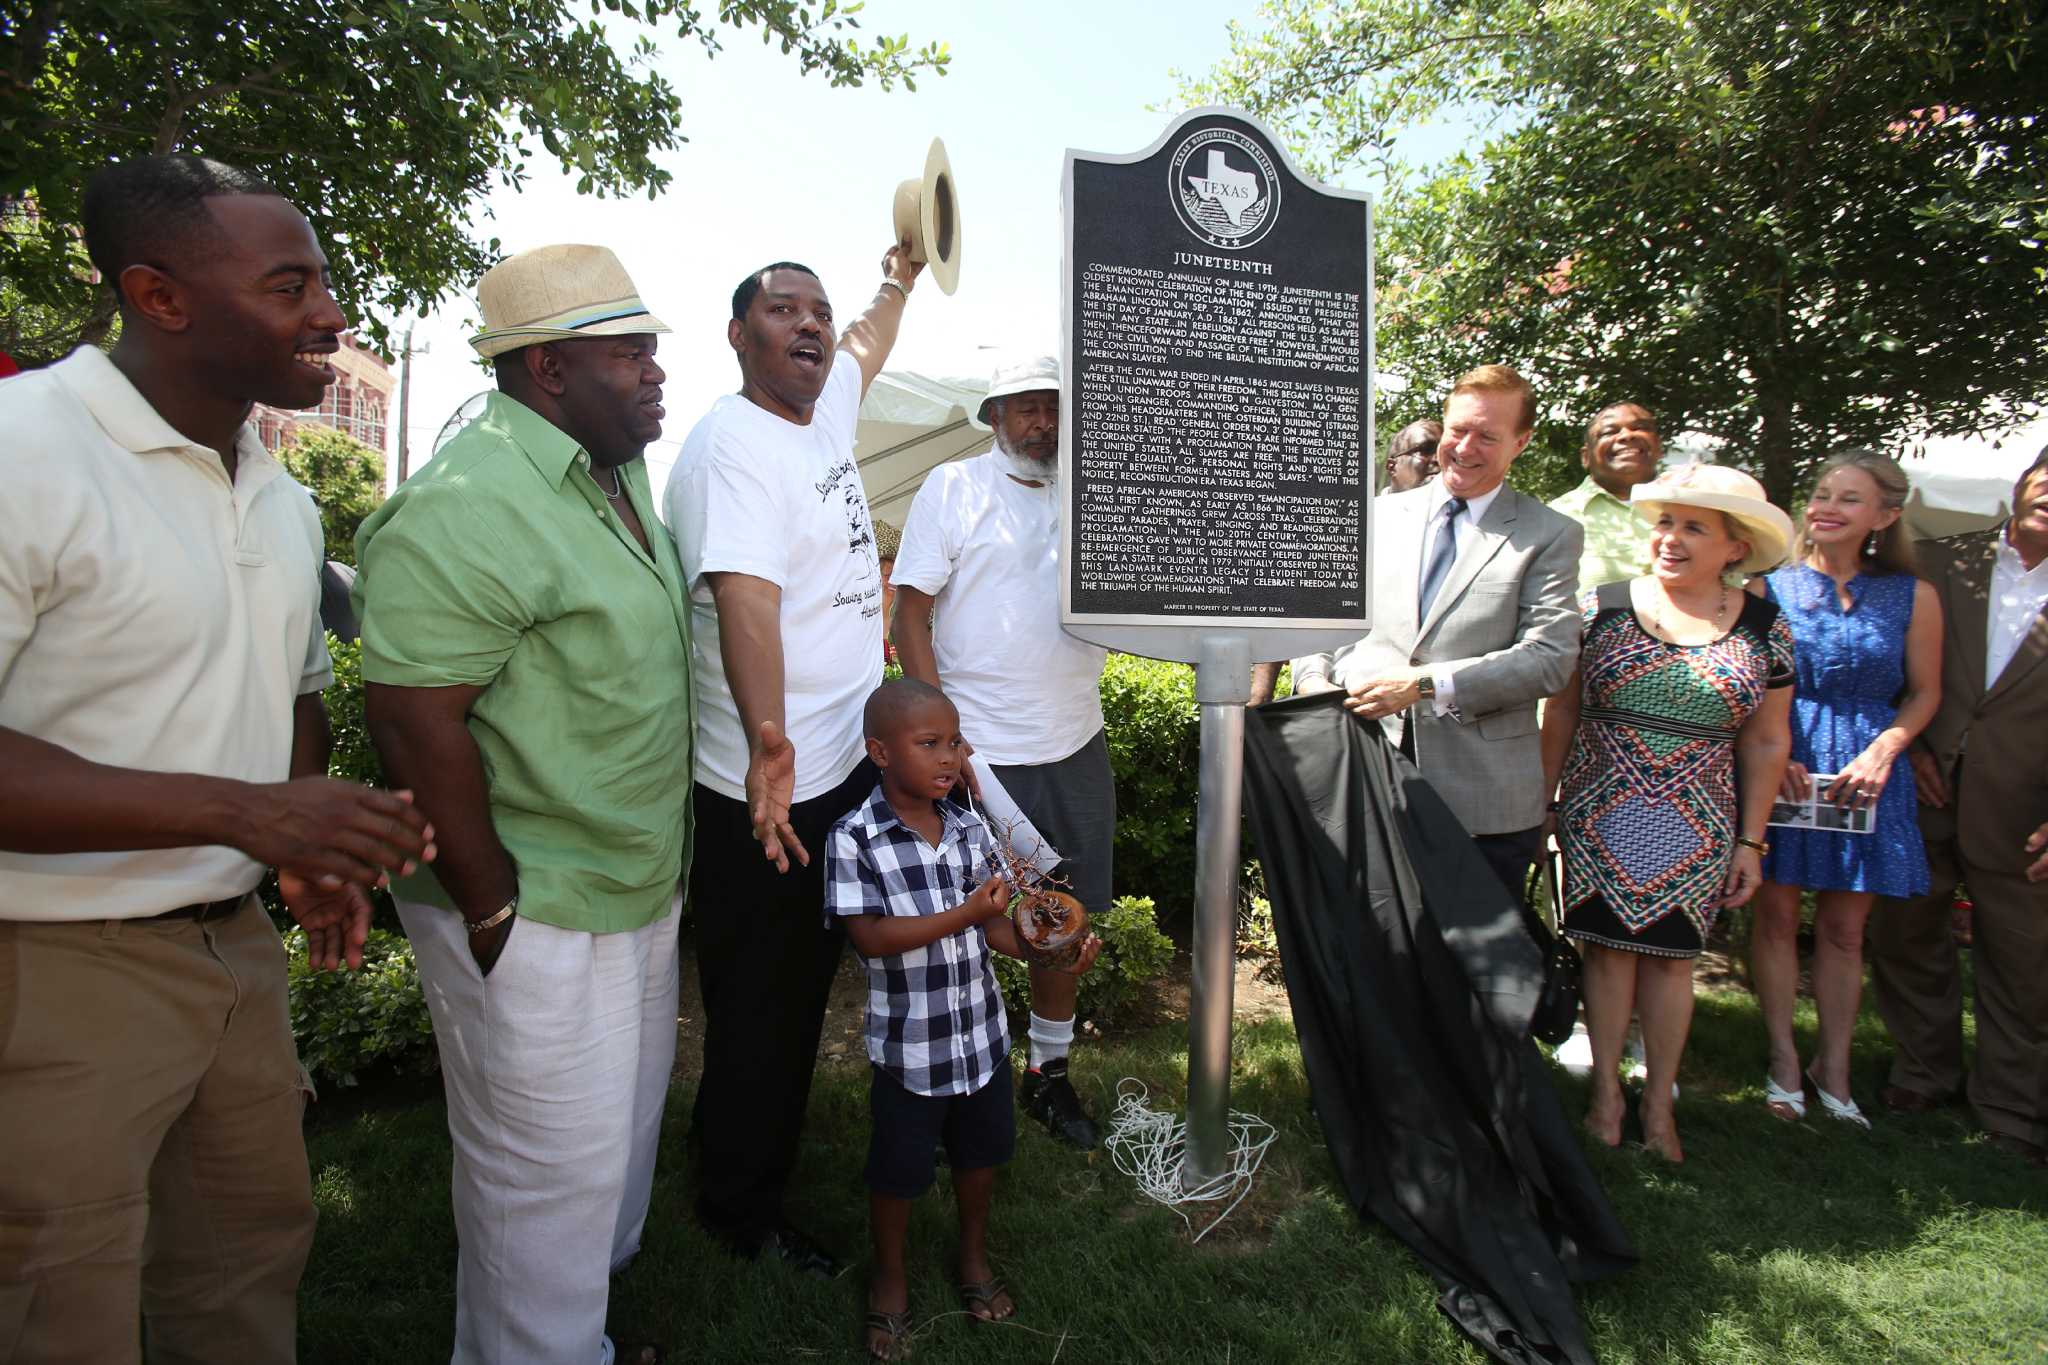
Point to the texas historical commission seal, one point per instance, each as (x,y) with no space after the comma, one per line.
(1224,187)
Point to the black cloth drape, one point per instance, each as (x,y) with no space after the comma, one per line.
(1413,980)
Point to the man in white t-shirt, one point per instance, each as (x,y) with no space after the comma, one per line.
(978,612)
(778,553)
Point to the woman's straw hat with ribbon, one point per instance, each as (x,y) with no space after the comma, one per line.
(1722,489)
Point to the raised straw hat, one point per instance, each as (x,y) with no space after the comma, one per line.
(926,212)
(1722,489)
(558,293)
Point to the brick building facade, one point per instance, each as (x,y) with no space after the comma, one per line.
(357,402)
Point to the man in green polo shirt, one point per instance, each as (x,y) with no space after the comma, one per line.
(526,653)
(1622,449)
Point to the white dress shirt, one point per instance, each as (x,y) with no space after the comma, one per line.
(1466,529)
(2018,595)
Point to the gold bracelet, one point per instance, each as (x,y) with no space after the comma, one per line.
(891,282)
(1758,844)
(477,926)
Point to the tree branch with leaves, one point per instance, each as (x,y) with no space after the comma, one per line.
(387,123)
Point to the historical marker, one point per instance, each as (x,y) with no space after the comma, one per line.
(1216,432)
(1217,413)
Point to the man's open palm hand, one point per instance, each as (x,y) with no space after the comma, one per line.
(771,779)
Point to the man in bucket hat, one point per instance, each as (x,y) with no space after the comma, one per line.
(526,655)
(979,583)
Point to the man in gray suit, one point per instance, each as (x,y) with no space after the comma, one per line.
(1473,622)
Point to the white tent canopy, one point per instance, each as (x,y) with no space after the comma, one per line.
(1963,483)
(910,424)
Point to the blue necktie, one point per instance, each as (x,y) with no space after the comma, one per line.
(1441,556)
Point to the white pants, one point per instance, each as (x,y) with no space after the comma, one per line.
(556,1068)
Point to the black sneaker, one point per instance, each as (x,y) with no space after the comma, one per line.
(1048,1096)
(787,1244)
(796,1250)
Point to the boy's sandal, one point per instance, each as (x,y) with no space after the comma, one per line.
(979,1299)
(894,1343)
(1846,1111)
(1788,1106)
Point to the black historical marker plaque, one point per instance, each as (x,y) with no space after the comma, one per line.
(1217,400)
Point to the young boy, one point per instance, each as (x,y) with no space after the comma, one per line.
(911,873)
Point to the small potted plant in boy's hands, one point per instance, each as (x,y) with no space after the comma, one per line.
(1051,925)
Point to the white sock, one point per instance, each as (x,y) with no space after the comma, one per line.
(1050,1039)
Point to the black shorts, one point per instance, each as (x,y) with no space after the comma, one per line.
(979,1130)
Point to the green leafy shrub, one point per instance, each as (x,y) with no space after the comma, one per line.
(1133,953)
(348,1023)
(1153,728)
(353,756)
(345,477)
(1256,937)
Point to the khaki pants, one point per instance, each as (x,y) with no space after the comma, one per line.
(1916,978)
(153,1175)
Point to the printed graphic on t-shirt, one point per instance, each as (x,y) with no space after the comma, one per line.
(844,478)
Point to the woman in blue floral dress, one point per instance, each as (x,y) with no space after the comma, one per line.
(1869,641)
(1679,676)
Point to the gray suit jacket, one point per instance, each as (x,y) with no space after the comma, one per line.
(1504,626)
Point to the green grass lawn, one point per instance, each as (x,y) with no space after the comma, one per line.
(1772,1243)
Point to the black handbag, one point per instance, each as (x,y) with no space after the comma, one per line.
(1557,1008)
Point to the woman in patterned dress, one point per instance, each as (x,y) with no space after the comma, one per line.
(1679,676)
(1868,634)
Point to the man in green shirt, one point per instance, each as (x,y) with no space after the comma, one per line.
(526,656)
(1622,449)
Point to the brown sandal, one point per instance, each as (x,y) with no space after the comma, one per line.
(894,1343)
(985,1293)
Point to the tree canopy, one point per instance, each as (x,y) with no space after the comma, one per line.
(387,121)
(1786,226)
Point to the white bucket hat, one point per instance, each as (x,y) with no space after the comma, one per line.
(558,293)
(1018,376)
(1767,529)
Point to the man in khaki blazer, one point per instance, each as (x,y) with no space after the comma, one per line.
(1982,772)
(1473,622)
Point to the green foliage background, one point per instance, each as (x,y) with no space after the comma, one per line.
(350,1023)
(1153,728)
(1785,227)
(345,477)
(1134,952)
(386,123)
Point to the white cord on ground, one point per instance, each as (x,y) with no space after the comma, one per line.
(1151,1148)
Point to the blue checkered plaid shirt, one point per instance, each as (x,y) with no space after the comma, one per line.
(935,1016)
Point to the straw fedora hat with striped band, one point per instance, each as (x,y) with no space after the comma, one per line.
(558,293)
(1762,523)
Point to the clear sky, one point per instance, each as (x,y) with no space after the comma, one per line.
(782,166)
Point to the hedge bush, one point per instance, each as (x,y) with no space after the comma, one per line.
(1154,732)
(1133,953)
(348,1023)
(352,756)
